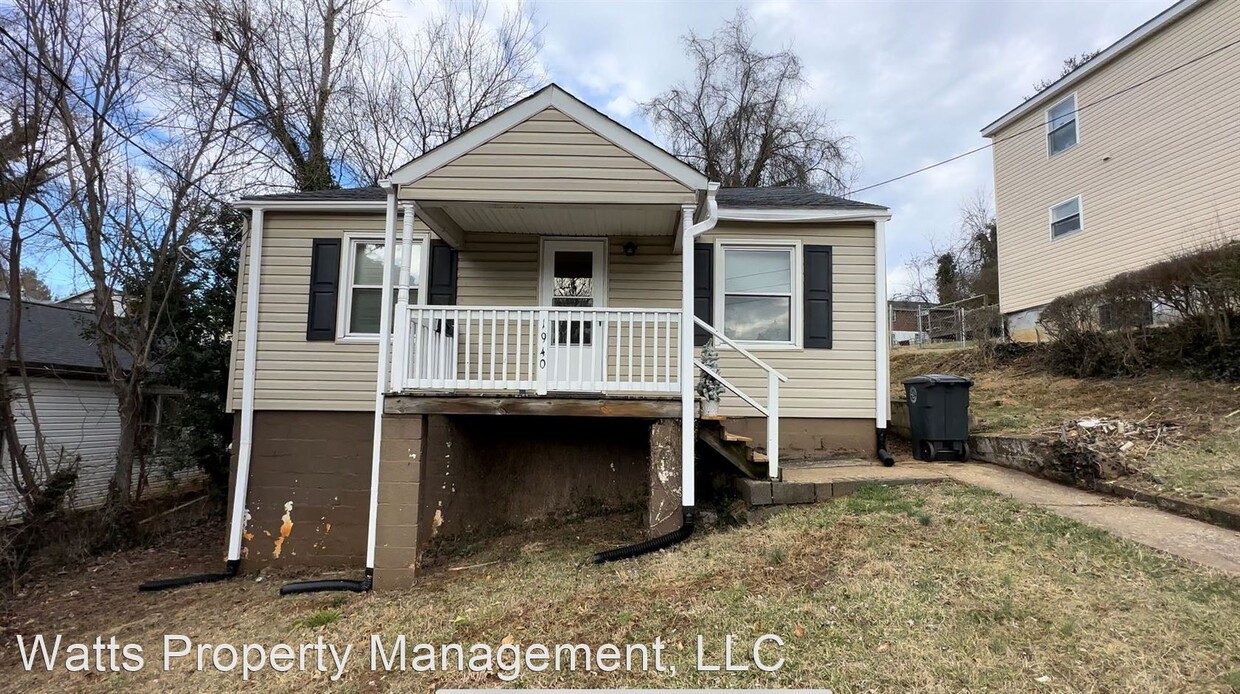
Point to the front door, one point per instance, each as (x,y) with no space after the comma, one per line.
(573,281)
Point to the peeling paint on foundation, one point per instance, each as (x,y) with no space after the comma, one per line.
(286,529)
(246,534)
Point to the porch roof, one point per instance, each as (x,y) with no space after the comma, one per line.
(728,198)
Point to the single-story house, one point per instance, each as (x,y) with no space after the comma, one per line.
(508,327)
(76,410)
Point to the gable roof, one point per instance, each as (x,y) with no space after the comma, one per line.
(1164,19)
(53,337)
(551,96)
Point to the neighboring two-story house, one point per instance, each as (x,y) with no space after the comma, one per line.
(507,329)
(1128,160)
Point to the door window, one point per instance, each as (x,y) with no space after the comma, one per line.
(573,286)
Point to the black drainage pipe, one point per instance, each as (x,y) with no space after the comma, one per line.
(327,585)
(230,571)
(883,456)
(654,544)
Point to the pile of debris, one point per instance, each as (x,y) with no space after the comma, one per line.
(1100,449)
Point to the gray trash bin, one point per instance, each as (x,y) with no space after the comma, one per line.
(938,416)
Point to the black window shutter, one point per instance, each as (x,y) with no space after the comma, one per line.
(703,289)
(324,280)
(818,297)
(442,285)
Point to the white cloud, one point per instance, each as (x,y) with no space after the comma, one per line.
(912,83)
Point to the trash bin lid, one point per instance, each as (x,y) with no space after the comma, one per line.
(936,379)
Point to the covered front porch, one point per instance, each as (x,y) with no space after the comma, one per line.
(545,266)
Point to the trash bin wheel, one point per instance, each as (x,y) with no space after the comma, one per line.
(964,451)
(928,451)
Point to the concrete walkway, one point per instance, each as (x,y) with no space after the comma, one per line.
(1209,545)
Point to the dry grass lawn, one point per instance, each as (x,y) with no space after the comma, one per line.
(1201,460)
(916,588)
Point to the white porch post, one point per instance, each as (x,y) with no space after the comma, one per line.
(687,416)
(402,343)
(382,372)
(881,338)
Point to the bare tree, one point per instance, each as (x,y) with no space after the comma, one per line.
(407,95)
(1070,64)
(29,158)
(295,58)
(125,215)
(743,119)
(966,264)
(334,90)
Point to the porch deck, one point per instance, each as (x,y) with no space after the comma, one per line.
(559,405)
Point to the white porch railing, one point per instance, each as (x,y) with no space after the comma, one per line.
(539,349)
(770,410)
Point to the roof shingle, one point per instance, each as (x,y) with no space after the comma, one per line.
(54,336)
(788,197)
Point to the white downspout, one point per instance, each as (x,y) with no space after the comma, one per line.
(688,435)
(253,265)
(882,339)
(381,377)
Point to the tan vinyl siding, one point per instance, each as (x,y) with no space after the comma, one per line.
(1157,169)
(503,270)
(293,373)
(550,158)
(836,382)
(498,270)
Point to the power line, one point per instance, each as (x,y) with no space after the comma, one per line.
(1043,124)
(64,83)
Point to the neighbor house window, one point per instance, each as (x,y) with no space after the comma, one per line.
(1121,315)
(1061,125)
(363,277)
(758,293)
(1066,217)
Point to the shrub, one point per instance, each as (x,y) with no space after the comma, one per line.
(1108,330)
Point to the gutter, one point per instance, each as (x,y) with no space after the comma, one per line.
(245,446)
(758,214)
(315,205)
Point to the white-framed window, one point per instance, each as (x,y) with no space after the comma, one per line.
(757,292)
(1066,218)
(361,283)
(1061,122)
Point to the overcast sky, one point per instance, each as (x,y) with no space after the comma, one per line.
(912,82)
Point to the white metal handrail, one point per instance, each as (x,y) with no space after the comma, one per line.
(740,350)
(770,411)
(539,349)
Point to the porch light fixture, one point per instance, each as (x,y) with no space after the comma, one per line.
(630,249)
